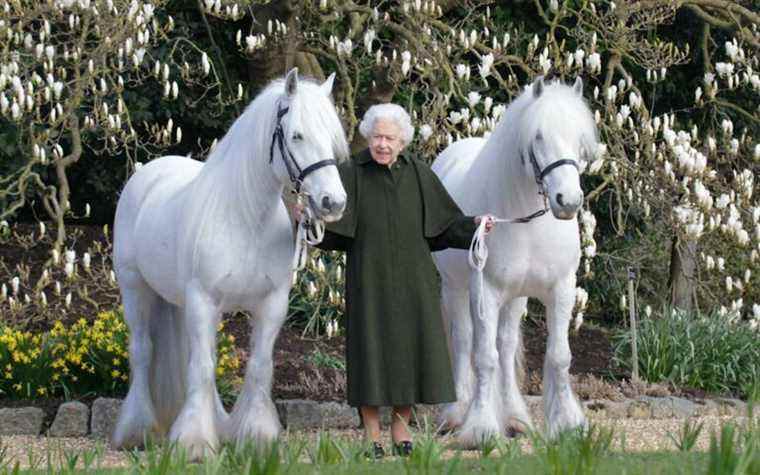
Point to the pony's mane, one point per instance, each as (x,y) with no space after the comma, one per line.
(256,124)
(237,180)
(558,111)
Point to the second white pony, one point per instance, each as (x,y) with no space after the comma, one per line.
(531,159)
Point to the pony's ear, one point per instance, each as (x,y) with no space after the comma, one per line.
(328,85)
(291,82)
(578,86)
(538,86)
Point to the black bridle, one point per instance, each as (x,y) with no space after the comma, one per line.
(296,173)
(539,176)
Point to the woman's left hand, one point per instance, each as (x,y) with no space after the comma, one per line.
(489,221)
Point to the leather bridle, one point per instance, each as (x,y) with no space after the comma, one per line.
(295,172)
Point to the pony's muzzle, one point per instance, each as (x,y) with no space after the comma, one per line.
(329,207)
(564,207)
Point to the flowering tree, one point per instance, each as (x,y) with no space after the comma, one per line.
(66,67)
(453,65)
(677,115)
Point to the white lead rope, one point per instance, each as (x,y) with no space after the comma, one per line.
(311,231)
(478,253)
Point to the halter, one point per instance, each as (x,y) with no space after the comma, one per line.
(310,229)
(296,173)
(539,175)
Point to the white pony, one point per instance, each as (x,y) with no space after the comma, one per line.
(194,240)
(531,157)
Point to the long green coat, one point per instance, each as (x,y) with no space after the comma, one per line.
(396,350)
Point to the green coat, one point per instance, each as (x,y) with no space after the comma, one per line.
(396,351)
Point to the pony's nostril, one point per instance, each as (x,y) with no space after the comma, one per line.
(326,203)
(560,199)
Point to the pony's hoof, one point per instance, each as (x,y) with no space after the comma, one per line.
(471,438)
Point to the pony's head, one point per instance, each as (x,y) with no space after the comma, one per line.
(557,133)
(307,143)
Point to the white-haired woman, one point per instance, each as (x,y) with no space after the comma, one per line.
(397,213)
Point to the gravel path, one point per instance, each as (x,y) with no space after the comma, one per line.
(641,435)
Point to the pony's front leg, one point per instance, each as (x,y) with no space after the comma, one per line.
(255,416)
(483,420)
(515,414)
(561,408)
(196,426)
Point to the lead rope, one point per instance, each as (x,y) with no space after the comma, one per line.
(478,253)
(311,231)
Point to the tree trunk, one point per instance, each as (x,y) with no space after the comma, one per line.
(683,271)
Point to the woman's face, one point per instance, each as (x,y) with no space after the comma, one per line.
(385,143)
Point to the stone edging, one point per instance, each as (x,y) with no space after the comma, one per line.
(74,419)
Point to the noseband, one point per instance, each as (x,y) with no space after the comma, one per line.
(539,176)
(296,173)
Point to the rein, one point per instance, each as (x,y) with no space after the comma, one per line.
(311,229)
(478,253)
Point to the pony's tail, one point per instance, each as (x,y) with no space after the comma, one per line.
(168,363)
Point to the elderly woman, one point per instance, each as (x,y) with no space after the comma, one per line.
(397,213)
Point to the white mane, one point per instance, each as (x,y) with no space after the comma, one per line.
(238,176)
(558,111)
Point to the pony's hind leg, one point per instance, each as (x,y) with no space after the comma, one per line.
(516,417)
(456,312)
(196,426)
(561,408)
(254,416)
(137,419)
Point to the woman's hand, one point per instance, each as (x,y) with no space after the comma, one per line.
(489,221)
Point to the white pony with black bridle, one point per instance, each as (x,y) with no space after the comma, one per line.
(194,240)
(529,165)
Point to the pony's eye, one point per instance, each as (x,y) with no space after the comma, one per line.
(297,136)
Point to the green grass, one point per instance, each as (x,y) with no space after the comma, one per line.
(693,350)
(733,450)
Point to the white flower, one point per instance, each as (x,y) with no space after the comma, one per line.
(86,260)
(486,62)
(68,300)
(462,70)
(455,117)
(594,62)
(581,298)
(15,285)
(406,58)
(425,132)
(578,321)
(473,98)
(311,289)
(623,303)
(487,103)
(648,311)
(205,63)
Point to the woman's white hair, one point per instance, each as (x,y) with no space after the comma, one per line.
(393,112)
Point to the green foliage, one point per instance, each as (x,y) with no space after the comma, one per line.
(326,360)
(316,299)
(687,437)
(707,352)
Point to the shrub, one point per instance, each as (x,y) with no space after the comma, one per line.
(80,359)
(707,352)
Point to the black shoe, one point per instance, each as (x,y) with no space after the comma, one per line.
(403,448)
(376,451)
